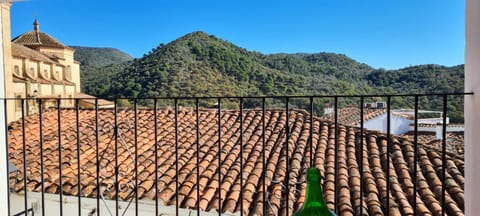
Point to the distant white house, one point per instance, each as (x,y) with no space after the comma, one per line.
(401,120)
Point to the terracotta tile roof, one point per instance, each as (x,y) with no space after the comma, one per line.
(37,38)
(374,174)
(91,99)
(455,141)
(351,115)
(19,50)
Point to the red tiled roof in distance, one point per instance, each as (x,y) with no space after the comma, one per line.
(86,98)
(251,171)
(455,143)
(350,115)
(25,52)
(37,38)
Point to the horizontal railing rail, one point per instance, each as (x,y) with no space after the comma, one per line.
(257,97)
(232,154)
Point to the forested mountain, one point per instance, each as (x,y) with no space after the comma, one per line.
(97,66)
(99,57)
(199,64)
(202,65)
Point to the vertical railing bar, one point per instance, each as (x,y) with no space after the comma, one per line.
(311,132)
(42,170)
(136,153)
(60,154)
(5,105)
(219,156)
(336,197)
(97,158)
(77,114)
(197,122)
(264,201)
(155,117)
(241,156)
(362,115)
(176,157)
(415,157)
(287,163)
(388,153)
(115,117)
(444,150)
(24,154)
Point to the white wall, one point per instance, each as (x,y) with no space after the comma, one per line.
(472,107)
(433,120)
(398,125)
(70,206)
(438,129)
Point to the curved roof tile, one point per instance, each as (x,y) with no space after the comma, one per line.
(250,172)
(37,38)
(25,52)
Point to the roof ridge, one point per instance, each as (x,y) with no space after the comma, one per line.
(38,36)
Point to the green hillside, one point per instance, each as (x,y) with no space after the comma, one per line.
(99,57)
(424,79)
(98,65)
(199,64)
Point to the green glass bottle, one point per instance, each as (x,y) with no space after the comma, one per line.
(314,204)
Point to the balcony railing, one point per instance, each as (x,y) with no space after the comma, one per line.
(224,156)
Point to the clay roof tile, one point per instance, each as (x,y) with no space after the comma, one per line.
(250,173)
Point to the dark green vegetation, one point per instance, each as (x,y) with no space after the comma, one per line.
(98,65)
(199,64)
(99,57)
(424,79)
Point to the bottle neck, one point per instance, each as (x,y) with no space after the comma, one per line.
(314,195)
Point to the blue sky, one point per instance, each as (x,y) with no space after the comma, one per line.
(382,33)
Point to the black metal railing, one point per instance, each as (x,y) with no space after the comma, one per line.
(32,111)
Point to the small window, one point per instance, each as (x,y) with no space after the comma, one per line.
(32,71)
(45,74)
(57,74)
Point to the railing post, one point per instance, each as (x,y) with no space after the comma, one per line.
(472,107)
(3,144)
